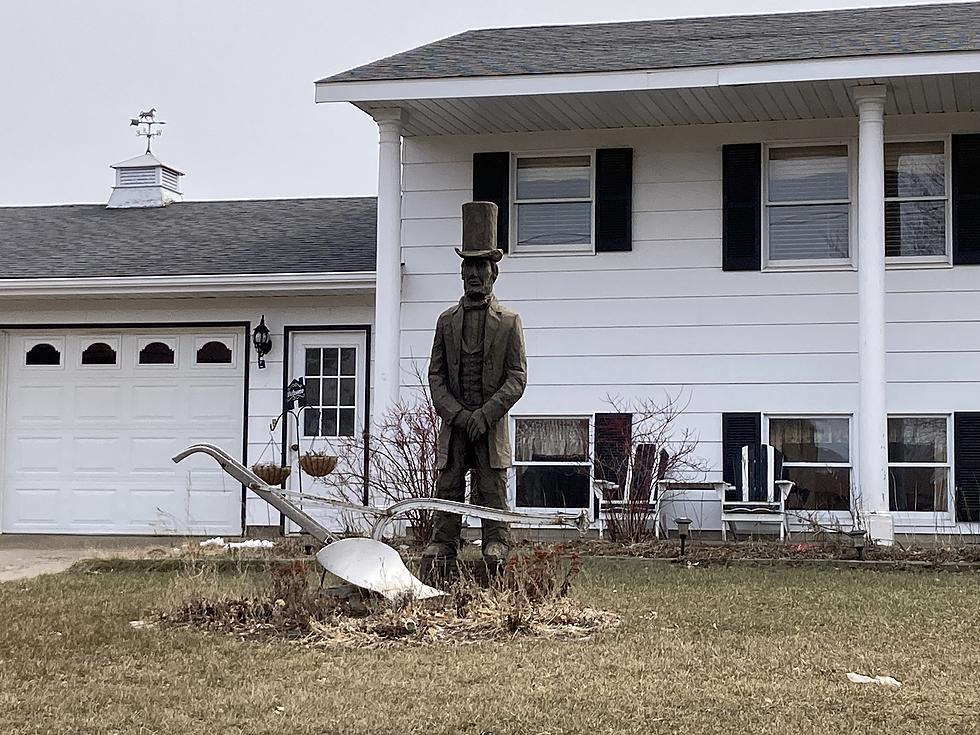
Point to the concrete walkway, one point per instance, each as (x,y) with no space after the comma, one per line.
(23,556)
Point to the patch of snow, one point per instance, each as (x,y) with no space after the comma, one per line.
(216,541)
(886,681)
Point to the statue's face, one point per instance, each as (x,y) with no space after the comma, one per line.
(478,277)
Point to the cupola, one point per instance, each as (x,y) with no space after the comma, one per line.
(145,181)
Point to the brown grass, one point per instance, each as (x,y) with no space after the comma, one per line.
(699,650)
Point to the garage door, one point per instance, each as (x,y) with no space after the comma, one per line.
(92,419)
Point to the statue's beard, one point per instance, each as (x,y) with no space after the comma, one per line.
(476,293)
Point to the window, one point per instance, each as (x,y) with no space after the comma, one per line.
(808,203)
(331,391)
(817,457)
(918,463)
(214,353)
(553,203)
(43,354)
(157,353)
(915,199)
(552,462)
(99,353)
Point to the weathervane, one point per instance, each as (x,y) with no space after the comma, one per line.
(145,123)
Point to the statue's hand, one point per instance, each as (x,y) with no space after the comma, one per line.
(477,425)
(462,419)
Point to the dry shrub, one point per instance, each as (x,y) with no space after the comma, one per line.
(529,598)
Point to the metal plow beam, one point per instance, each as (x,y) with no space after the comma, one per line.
(369,563)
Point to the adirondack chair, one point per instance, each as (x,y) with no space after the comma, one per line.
(644,483)
(759,493)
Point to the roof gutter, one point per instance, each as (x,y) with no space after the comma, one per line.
(246,284)
(858,67)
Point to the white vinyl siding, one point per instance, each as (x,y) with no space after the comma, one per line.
(665,317)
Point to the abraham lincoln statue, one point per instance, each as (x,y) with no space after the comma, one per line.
(477,373)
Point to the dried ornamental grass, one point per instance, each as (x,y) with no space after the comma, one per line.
(529,599)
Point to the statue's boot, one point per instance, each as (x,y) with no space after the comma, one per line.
(438,563)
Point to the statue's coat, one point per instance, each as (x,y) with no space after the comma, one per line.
(504,376)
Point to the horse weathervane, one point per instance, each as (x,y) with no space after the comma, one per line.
(144,124)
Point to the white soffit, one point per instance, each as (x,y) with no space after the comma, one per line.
(918,84)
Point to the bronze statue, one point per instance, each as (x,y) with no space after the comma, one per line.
(477,372)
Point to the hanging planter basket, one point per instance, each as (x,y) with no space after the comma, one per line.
(316,464)
(271,474)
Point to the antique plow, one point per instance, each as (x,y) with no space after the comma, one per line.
(369,562)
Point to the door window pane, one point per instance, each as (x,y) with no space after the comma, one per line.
(43,354)
(98,353)
(331,400)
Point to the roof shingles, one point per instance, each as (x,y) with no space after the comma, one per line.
(190,238)
(683,42)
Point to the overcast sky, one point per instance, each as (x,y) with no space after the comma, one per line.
(234,81)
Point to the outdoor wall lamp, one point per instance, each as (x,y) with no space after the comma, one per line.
(262,341)
(683,529)
(857,538)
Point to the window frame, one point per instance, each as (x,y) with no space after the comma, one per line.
(811,264)
(916,261)
(337,405)
(57,342)
(851,465)
(948,465)
(229,340)
(517,250)
(142,342)
(588,462)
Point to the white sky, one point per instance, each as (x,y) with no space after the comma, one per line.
(234,81)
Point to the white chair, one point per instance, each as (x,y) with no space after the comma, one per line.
(644,480)
(759,494)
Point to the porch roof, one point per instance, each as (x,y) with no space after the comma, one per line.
(676,72)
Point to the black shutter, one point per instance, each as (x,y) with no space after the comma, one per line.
(737,430)
(491,183)
(966,199)
(613,199)
(613,441)
(741,198)
(966,455)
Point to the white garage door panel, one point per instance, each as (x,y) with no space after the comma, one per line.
(87,447)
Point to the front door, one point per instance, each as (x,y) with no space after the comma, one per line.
(334,368)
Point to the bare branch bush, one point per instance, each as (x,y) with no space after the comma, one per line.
(400,455)
(652,446)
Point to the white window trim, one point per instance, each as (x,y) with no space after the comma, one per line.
(516,250)
(835,516)
(30,342)
(85,341)
(899,262)
(919,515)
(512,490)
(811,264)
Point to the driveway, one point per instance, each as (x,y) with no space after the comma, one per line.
(23,556)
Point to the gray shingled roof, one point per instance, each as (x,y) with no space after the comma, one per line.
(189,238)
(664,44)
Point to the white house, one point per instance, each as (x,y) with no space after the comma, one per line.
(126,334)
(777,216)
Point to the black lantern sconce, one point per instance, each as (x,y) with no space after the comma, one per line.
(683,529)
(262,341)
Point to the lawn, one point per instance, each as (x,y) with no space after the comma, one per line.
(699,650)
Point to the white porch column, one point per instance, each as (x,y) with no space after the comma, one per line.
(388,288)
(872,488)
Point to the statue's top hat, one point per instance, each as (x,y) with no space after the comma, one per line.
(480,232)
